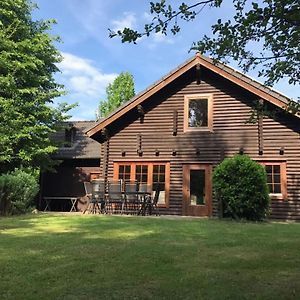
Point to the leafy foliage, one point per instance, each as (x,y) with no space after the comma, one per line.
(240,185)
(118,92)
(17,192)
(270,25)
(27,88)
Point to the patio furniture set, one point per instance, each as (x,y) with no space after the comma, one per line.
(120,197)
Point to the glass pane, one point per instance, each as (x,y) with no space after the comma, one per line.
(198,113)
(161,186)
(277,188)
(154,186)
(270,186)
(144,169)
(121,169)
(269,178)
(162,169)
(155,169)
(277,178)
(127,169)
(144,178)
(197,187)
(138,169)
(155,178)
(162,178)
(269,169)
(276,169)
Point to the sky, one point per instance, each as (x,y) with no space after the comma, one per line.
(92,60)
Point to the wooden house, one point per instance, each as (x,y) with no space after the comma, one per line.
(79,158)
(174,133)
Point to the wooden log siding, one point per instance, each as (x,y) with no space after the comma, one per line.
(231,109)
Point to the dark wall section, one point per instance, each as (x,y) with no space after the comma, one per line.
(68,181)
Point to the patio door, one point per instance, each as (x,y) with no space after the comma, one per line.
(197,193)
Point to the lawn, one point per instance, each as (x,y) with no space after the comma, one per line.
(111,257)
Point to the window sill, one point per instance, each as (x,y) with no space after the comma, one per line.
(277,197)
(206,129)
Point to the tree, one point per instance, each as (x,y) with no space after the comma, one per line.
(270,25)
(118,92)
(27,88)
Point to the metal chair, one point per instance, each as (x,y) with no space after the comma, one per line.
(132,200)
(145,191)
(95,191)
(153,206)
(115,201)
(88,194)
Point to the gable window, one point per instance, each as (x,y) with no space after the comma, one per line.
(69,136)
(198,112)
(276,179)
(154,174)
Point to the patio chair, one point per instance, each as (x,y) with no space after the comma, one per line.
(153,207)
(115,198)
(95,191)
(145,191)
(88,194)
(132,200)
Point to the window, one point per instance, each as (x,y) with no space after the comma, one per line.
(94,175)
(124,172)
(141,173)
(155,174)
(69,137)
(159,181)
(276,179)
(198,112)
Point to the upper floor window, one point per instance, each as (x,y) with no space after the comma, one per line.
(276,179)
(198,112)
(69,136)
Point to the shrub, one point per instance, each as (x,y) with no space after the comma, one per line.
(240,185)
(17,192)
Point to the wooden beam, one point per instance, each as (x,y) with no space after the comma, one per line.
(260,124)
(140,110)
(175,122)
(139,144)
(198,73)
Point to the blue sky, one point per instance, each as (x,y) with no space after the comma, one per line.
(92,60)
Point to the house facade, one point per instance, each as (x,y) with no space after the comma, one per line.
(174,133)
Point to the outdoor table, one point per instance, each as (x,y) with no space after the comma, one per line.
(142,198)
(73,201)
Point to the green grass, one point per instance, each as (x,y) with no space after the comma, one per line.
(112,257)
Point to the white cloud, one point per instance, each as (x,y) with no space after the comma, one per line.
(85,84)
(129,20)
(82,77)
(148,17)
(159,37)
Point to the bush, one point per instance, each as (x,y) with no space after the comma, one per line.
(240,185)
(17,192)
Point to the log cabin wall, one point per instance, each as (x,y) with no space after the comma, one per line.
(230,133)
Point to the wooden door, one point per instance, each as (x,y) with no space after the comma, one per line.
(197,191)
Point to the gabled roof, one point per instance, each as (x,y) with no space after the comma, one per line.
(223,70)
(83,147)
